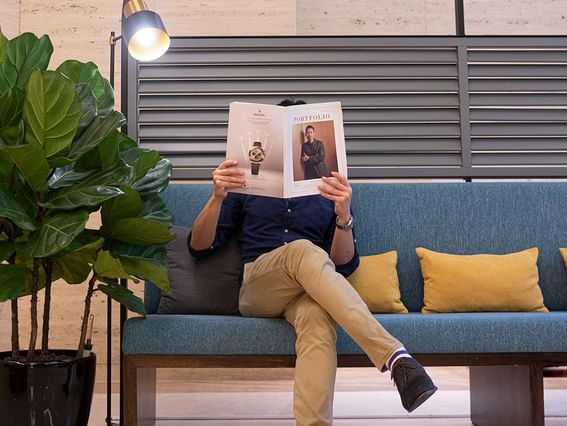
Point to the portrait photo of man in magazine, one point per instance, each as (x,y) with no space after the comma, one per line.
(314,150)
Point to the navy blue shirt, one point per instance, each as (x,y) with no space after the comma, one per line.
(265,223)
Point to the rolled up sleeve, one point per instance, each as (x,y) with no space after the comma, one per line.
(229,221)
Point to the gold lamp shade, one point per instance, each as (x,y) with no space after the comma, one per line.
(144,32)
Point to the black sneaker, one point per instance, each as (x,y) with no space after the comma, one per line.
(413,383)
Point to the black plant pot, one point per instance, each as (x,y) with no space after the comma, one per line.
(48,393)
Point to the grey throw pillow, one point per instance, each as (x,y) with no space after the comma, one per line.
(208,285)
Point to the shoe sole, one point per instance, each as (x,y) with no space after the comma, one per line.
(422,398)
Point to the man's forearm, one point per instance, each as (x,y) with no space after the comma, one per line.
(205,226)
(342,249)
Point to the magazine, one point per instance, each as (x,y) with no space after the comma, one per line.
(285,150)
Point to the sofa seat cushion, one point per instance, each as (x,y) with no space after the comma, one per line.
(420,333)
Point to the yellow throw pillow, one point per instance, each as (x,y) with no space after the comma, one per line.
(563,252)
(480,282)
(376,280)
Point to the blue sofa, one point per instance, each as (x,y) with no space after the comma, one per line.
(506,352)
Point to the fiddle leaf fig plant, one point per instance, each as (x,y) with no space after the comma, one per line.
(63,159)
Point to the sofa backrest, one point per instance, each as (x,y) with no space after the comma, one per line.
(460,218)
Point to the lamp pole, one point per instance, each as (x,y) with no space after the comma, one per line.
(123,282)
(459,18)
(145,38)
(112,41)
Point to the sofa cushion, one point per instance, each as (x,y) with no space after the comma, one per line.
(563,252)
(421,333)
(480,282)
(208,285)
(376,281)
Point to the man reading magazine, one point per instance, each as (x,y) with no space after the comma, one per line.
(296,253)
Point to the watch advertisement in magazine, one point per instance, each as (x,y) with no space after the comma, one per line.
(285,150)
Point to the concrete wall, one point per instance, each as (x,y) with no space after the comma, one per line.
(80,30)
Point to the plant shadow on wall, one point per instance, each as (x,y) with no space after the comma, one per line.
(62,157)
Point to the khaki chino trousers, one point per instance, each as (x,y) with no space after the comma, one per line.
(298,281)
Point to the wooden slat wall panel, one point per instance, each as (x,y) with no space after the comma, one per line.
(401,97)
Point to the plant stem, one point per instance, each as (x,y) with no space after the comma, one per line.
(33,334)
(15,319)
(86,313)
(15,332)
(48,266)
(8,228)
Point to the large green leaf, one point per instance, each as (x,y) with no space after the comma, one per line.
(71,198)
(30,161)
(126,143)
(109,148)
(24,193)
(73,267)
(139,231)
(96,131)
(3,46)
(6,170)
(74,263)
(89,241)
(121,174)
(147,159)
(11,107)
(126,205)
(12,281)
(56,232)
(13,210)
(92,190)
(88,73)
(12,135)
(6,250)
(124,296)
(109,267)
(145,262)
(154,254)
(52,111)
(24,54)
(88,106)
(155,180)
(147,271)
(63,177)
(155,209)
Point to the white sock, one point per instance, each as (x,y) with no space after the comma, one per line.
(400,353)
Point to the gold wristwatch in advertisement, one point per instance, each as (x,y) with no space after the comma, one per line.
(256,155)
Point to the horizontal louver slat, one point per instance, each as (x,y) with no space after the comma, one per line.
(434,100)
(261,85)
(518,85)
(153,116)
(518,115)
(289,71)
(207,131)
(520,144)
(302,54)
(519,129)
(542,55)
(514,99)
(523,159)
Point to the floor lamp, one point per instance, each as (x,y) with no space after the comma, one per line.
(145,38)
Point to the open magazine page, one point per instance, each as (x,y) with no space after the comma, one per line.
(316,147)
(255,140)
